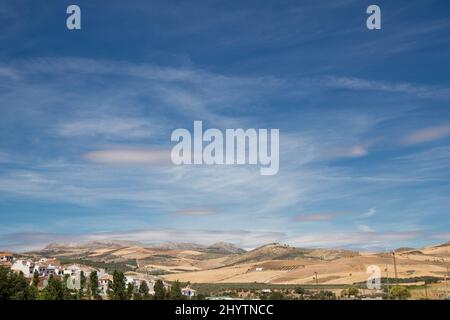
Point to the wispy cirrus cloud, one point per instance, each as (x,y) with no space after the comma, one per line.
(351,152)
(130,156)
(196,212)
(365,228)
(368,214)
(110,127)
(315,217)
(363,239)
(427,135)
(359,84)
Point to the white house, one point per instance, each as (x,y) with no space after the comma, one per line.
(6,257)
(188,292)
(136,281)
(103,282)
(24,266)
(72,270)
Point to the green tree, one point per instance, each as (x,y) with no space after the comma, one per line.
(276,295)
(54,290)
(200,296)
(14,286)
(400,293)
(92,288)
(35,281)
(352,291)
(144,290)
(137,295)
(130,291)
(118,290)
(81,290)
(160,291)
(324,295)
(175,291)
(300,291)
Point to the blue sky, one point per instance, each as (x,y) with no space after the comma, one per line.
(364,119)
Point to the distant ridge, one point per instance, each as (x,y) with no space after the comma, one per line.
(224,247)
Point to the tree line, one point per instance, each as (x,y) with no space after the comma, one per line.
(14,286)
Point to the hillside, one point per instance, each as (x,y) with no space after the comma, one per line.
(272,263)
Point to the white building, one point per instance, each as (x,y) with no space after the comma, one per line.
(24,266)
(103,282)
(6,257)
(137,281)
(72,270)
(188,292)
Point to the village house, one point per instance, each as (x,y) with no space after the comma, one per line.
(47,269)
(103,283)
(6,257)
(24,266)
(136,279)
(72,270)
(188,292)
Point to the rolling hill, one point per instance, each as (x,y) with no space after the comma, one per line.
(272,263)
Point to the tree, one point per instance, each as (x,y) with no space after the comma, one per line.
(54,289)
(92,288)
(276,295)
(118,289)
(14,286)
(35,281)
(200,296)
(130,290)
(80,293)
(144,290)
(324,295)
(300,291)
(400,293)
(160,291)
(137,296)
(69,294)
(352,292)
(175,291)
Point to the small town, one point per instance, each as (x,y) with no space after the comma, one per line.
(50,280)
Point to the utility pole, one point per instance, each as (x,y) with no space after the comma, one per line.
(387,282)
(395,267)
(317,281)
(446,279)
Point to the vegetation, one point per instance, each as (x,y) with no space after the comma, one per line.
(350,292)
(92,288)
(144,290)
(160,291)
(123,266)
(400,293)
(118,290)
(54,290)
(14,286)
